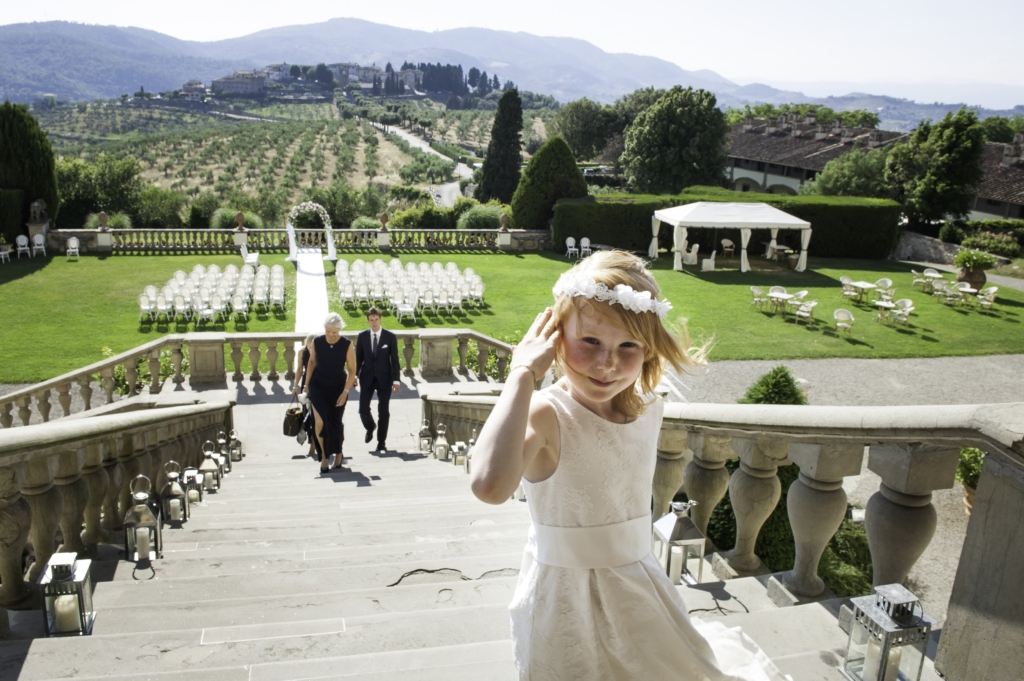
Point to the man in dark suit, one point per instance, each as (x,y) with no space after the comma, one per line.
(378,371)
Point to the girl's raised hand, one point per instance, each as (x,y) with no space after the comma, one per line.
(537,349)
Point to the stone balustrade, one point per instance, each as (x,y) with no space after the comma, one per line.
(73,474)
(214,358)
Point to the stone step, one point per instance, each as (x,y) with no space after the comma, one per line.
(715,600)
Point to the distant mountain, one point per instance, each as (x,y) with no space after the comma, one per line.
(78,61)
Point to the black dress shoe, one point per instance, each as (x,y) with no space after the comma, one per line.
(381,447)
(369,434)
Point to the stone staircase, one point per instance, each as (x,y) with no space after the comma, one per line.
(392,571)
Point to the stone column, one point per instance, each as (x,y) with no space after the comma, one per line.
(436,352)
(113,466)
(64,398)
(85,390)
(816,504)
(75,494)
(668,472)
(289,361)
(47,504)
(705,478)
(96,479)
(236,360)
(177,357)
(900,519)
(206,358)
(15,521)
(407,353)
(254,360)
(463,349)
(272,360)
(156,383)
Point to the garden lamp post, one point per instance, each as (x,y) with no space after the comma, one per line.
(173,497)
(675,539)
(142,539)
(67,596)
(888,636)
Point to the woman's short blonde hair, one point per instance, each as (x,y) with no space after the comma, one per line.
(308,343)
(661,344)
(334,321)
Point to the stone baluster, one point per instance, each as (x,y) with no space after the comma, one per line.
(463,351)
(272,360)
(705,478)
(15,521)
(177,357)
(254,359)
(113,466)
(107,382)
(156,383)
(900,519)
(97,481)
(131,457)
(407,352)
(46,503)
(668,472)
(6,419)
(157,439)
(481,359)
(43,404)
(236,359)
(754,491)
(75,494)
(289,361)
(816,504)
(85,390)
(131,376)
(64,398)
(24,409)
(502,354)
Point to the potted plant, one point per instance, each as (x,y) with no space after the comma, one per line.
(968,470)
(972,264)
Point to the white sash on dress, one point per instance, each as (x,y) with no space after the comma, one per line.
(587,548)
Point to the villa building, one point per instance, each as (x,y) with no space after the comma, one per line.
(278,72)
(366,74)
(241,82)
(193,91)
(345,73)
(413,78)
(1001,193)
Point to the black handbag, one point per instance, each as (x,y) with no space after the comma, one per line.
(292,420)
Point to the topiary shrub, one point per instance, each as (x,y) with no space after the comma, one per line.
(551,174)
(224,218)
(26,160)
(365,222)
(481,217)
(778,386)
(114,221)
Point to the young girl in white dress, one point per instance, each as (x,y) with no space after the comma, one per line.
(592,601)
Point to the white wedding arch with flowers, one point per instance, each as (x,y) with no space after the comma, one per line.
(310,207)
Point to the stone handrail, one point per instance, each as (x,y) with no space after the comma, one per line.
(914,450)
(206,350)
(74,474)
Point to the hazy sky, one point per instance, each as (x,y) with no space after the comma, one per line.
(892,41)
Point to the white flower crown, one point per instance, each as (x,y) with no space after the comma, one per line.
(574,284)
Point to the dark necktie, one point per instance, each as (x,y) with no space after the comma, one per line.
(374,345)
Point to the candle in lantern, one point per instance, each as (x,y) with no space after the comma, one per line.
(873,660)
(142,542)
(675,566)
(175,506)
(193,496)
(66,615)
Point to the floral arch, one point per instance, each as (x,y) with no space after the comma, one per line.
(310,207)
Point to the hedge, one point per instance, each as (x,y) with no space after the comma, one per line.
(11,211)
(846,227)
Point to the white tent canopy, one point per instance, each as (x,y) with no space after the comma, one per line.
(741,216)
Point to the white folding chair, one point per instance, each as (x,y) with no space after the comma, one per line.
(247,257)
(456,301)
(585,249)
(844,320)
(570,247)
(277,300)
(38,245)
(22,244)
(691,257)
(147,308)
(71,248)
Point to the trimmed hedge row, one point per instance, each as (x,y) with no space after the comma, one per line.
(846,227)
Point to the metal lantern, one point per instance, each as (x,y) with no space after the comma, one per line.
(193,482)
(441,448)
(222,442)
(676,538)
(459,453)
(234,447)
(210,468)
(222,450)
(426,439)
(469,451)
(173,497)
(888,636)
(218,458)
(142,539)
(67,596)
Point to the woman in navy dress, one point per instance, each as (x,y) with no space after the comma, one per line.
(330,374)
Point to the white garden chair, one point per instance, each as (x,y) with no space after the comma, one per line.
(585,249)
(691,257)
(987,297)
(758,297)
(363,293)
(277,299)
(918,279)
(844,320)
(806,312)
(901,313)
(377,295)
(147,307)
(884,288)
(38,245)
(477,294)
(151,291)
(247,257)
(424,267)
(21,242)
(181,308)
(406,308)
(347,294)
(468,272)
(180,276)
(71,248)
(259,299)
(427,300)
(708,264)
(444,301)
(163,308)
(220,311)
(728,247)
(456,301)
(570,247)
(777,304)
(240,307)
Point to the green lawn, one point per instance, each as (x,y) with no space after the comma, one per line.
(59,315)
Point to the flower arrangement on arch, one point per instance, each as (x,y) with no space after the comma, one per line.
(311,207)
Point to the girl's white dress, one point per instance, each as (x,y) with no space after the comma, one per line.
(592,601)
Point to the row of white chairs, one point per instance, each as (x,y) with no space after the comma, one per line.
(394,265)
(583,251)
(209,294)
(21,242)
(400,299)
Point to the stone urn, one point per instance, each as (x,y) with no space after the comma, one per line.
(383,222)
(976,278)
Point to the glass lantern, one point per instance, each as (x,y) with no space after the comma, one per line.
(142,539)
(459,453)
(67,596)
(676,539)
(210,468)
(193,481)
(441,443)
(888,636)
(426,439)
(222,442)
(469,452)
(223,446)
(234,446)
(173,497)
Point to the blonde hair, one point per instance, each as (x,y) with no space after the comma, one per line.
(661,345)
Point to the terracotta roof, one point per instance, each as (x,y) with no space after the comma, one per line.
(805,151)
(1002,183)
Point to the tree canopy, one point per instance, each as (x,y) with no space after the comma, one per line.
(860,118)
(858,173)
(504,152)
(26,159)
(583,124)
(1002,128)
(677,142)
(550,175)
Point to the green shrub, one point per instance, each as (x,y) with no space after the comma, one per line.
(1014,227)
(422,217)
(365,222)
(409,195)
(778,386)
(462,204)
(11,211)
(999,244)
(160,209)
(487,216)
(114,221)
(971,259)
(968,470)
(846,562)
(951,233)
(224,218)
(202,209)
(842,226)
(551,174)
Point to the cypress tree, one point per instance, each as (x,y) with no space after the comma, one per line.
(551,174)
(504,152)
(26,160)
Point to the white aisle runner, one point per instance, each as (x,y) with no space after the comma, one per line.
(310,291)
